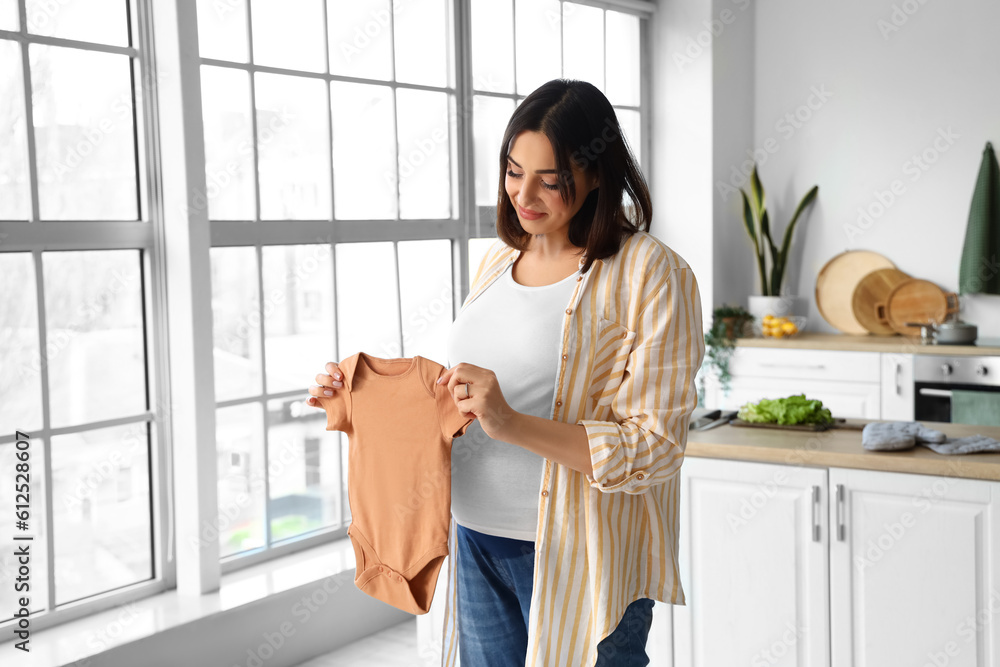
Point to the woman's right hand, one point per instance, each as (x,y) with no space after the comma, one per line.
(329,382)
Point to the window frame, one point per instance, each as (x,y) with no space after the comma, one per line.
(485,217)
(36,236)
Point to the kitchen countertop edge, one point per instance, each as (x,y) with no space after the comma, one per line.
(841,448)
(867,343)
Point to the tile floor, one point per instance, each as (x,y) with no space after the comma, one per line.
(392,647)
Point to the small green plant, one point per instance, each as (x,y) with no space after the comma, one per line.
(728,324)
(758,226)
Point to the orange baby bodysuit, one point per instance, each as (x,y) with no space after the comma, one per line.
(400,426)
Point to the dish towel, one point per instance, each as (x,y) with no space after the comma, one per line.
(979,408)
(896,436)
(977,272)
(973,443)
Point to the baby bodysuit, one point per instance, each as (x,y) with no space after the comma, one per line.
(400,426)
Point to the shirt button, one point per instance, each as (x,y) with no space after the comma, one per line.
(568,311)
(625,335)
(400,578)
(639,476)
(579,278)
(545,493)
(558,403)
(380,569)
(565,356)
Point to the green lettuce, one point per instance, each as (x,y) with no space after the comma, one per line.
(795,409)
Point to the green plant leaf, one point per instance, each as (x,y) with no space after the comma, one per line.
(748,219)
(765,230)
(758,250)
(758,191)
(777,273)
(786,243)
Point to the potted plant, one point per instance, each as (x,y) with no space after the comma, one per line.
(771,261)
(728,324)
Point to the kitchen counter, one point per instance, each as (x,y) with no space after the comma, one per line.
(871,343)
(842,448)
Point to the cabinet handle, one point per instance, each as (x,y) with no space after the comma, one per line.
(815,514)
(899,386)
(817,366)
(841,528)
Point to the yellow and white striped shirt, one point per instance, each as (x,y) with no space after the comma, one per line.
(632,342)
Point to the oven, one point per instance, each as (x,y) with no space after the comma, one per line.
(936,377)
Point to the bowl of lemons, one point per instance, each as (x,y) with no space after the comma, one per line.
(784,326)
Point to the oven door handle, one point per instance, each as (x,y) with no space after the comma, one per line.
(926,391)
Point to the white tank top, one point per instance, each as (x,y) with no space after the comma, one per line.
(515,331)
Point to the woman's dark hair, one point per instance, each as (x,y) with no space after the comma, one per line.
(583,129)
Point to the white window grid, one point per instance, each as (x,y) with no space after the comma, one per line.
(37,236)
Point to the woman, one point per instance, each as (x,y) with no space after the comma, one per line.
(565,485)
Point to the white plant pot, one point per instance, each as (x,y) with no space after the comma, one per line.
(785,305)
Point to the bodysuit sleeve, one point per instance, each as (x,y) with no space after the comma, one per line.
(338,410)
(453,424)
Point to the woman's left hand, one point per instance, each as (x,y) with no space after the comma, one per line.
(485,402)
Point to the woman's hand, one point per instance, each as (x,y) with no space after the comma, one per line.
(329,382)
(485,402)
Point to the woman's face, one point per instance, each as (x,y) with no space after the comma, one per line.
(531,184)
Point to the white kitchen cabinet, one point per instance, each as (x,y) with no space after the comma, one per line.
(897,387)
(914,570)
(903,570)
(848,383)
(753,563)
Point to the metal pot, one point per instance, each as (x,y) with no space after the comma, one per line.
(955,333)
(946,333)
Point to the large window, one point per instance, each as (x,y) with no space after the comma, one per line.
(335,121)
(350,184)
(517,45)
(77,322)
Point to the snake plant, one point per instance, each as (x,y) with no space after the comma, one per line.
(758,226)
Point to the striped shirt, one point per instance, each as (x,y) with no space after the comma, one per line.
(632,342)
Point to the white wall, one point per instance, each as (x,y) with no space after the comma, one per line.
(703,116)
(899,86)
(879,96)
(681,159)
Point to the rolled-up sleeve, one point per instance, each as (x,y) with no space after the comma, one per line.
(653,405)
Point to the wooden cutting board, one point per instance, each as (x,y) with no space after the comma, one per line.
(874,289)
(837,423)
(835,285)
(918,300)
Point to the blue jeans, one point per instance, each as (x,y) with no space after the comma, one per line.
(494,597)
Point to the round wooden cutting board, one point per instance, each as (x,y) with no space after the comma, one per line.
(874,289)
(835,285)
(918,300)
